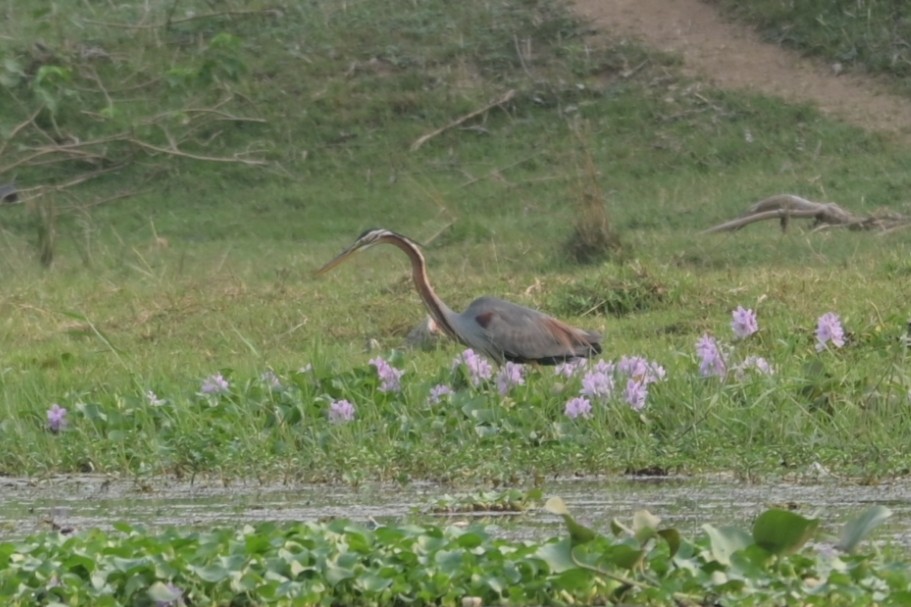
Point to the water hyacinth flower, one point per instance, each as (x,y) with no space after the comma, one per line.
(271,380)
(438,393)
(153,399)
(829,329)
(578,407)
(56,418)
(341,411)
(641,369)
(711,363)
(478,367)
(636,393)
(598,383)
(753,363)
(215,385)
(744,322)
(390,377)
(510,375)
(570,368)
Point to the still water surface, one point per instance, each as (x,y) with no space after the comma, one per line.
(85,501)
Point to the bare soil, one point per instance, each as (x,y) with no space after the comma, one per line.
(733,56)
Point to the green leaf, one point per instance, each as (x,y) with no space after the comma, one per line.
(211,573)
(160,593)
(645,525)
(623,556)
(783,532)
(672,537)
(859,528)
(578,534)
(557,555)
(725,541)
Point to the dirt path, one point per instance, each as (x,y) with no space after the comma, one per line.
(733,56)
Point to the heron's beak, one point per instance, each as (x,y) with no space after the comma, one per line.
(339,259)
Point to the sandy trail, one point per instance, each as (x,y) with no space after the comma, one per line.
(732,56)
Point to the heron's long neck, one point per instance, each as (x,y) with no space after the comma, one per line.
(440,312)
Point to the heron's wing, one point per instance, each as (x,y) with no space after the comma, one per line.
(521,334)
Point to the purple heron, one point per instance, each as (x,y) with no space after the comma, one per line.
(500,330)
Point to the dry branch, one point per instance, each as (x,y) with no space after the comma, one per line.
(825,215)
(506,97)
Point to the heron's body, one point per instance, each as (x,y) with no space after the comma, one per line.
(501,330)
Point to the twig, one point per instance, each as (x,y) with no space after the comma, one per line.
(176,152)
(273,11)
(506,97)
(16,129)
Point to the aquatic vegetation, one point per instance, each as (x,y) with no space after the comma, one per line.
(390,377)
(711,361)
(782,559)
(744,322)
(829,330)
(56,418)
(215,384)
(341,411)
(578,407)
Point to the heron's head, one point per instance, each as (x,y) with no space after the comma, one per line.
(364,241)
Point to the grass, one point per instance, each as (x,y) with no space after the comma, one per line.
(867,36)
(206,266)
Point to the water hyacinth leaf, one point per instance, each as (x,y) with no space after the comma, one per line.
(161,593)
(623,556)
(645,525)
(783,532)
(578,534)
(672,537)
(371,582)
(470,540)
(213,573)
(574,580)
(859,528)
(557,555)
(725,541)
(449,561)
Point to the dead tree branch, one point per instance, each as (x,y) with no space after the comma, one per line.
(825,215)
(505,98)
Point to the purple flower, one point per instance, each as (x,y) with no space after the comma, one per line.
(829,329)
(56,418)
(753,363)
(437,393)
(390,377)
(636,393)
(510,375)
(570,368)
(578,407)
(744,322)
(341,411)
(215,385)
(478,367)
(641,369)
(271,380)
(598,384)
(711,362)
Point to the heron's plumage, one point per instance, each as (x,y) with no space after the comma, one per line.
(501,330)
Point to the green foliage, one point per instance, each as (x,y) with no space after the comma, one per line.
(872,35)
(645,564)
(342,562)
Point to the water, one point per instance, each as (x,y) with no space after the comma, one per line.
(84,501)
